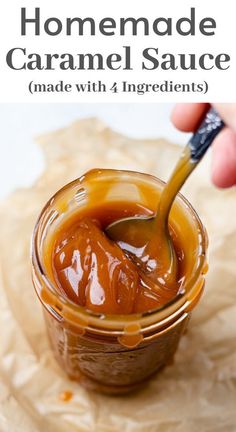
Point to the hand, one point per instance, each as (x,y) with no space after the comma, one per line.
(187,117)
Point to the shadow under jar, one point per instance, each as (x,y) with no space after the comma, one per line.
(116,353)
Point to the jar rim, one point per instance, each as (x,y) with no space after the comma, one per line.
(72,311)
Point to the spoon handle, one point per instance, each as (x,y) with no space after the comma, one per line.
(191,155)
(205,135)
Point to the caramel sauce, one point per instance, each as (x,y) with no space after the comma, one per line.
(95,273)
(66,396)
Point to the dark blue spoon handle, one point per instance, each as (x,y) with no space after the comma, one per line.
(205,135)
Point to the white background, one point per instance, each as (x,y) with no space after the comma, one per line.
(21,160)
(13,84)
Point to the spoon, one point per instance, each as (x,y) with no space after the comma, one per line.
(137,236)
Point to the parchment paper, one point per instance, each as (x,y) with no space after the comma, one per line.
(196,393)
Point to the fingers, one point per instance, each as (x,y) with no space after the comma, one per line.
(224,159)
(187,117)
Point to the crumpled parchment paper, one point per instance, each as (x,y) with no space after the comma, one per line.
(198,392)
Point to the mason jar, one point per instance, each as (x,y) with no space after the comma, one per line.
(116,353)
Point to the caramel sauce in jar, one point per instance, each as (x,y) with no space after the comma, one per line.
(110,327)
(94,272)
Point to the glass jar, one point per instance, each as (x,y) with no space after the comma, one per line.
(117,353)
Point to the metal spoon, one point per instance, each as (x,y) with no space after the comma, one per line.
(147,239)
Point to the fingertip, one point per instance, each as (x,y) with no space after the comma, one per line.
(224,159)
(186,117)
